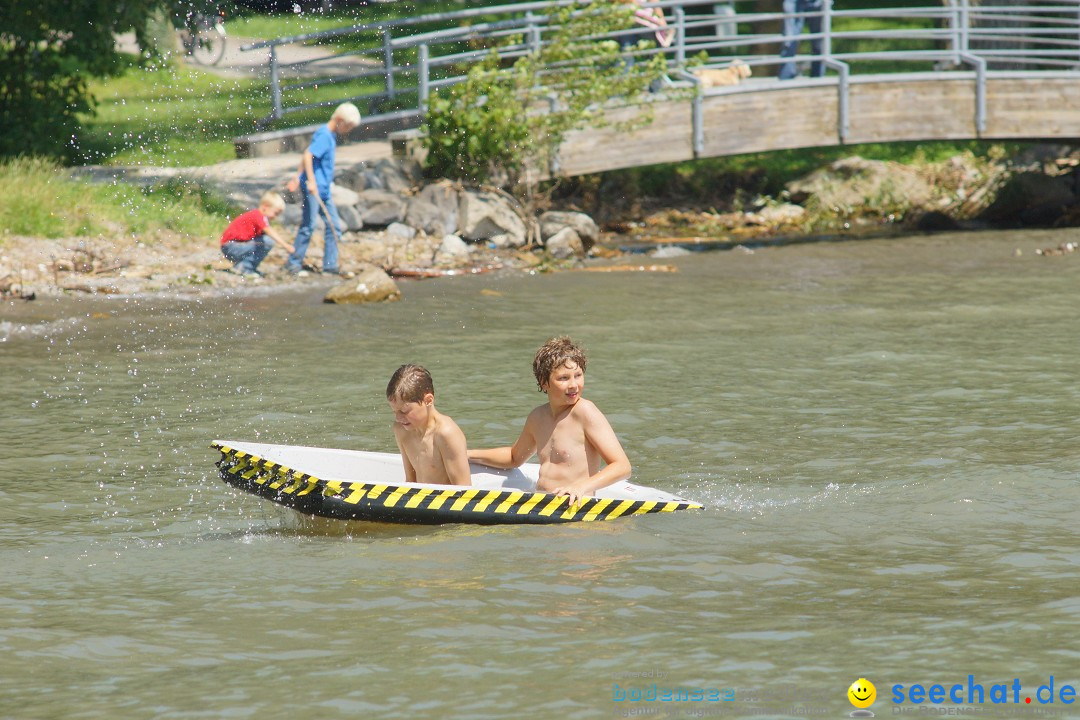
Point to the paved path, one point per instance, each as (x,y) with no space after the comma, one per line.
(243,180)
(319,62)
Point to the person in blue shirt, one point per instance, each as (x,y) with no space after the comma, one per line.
(316,176)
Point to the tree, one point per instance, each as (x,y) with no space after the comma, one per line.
(502,122)
(49,49)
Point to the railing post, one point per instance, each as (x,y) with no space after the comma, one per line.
(965,26)
(843,113)
(388,63)
(533,31)
(680,35)
(980,91)
(954,31)
(423,72)
(275,85)
(826,31)
(697,118)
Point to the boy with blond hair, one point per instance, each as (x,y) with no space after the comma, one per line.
(432,445)
(249,238)
(568,433)
(314,181)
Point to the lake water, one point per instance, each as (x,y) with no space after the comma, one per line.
(883,432)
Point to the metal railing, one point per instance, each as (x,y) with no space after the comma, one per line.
(407,60)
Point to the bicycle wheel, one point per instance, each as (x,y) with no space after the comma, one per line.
(208,43)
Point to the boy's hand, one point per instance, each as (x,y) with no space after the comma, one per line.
(576,496)
(293,185)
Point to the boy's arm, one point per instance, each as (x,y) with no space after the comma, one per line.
(294,184)
(455,456)
(508,457)
(309,168)
(599,434)
(277,238)
(410,471)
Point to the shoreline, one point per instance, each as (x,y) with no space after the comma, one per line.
(174,267)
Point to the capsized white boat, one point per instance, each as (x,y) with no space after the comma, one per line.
(359,485)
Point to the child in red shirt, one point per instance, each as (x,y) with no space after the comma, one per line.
(248,239)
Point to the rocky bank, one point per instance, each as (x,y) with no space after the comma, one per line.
(397,225)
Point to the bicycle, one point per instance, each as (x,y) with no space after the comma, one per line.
(203,36)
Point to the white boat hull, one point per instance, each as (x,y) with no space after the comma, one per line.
(359,485)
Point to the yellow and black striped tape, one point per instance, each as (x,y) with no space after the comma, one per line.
(393,503)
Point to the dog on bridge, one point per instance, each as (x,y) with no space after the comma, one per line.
(733,74)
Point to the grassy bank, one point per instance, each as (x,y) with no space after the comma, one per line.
(41,199)
(169,116)
(741,182)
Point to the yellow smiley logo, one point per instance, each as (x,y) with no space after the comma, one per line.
(862,693)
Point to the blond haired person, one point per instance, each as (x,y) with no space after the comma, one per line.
(316,177)
(249,238)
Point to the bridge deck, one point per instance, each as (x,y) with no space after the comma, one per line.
(766,115)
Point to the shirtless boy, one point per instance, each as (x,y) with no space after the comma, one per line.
(432,445)
(568,433)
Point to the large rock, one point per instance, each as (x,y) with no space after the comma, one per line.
(446,198)
(342,195)
(783,214)
(394,177)
(380,208)
(371,284)
(1031,198)
(427,218)
(488,216)
(565,244)
(854,185)
(350,218)
(452,249)
(552,222)
(399,230)
(352,178)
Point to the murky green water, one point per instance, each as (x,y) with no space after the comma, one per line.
(884,433)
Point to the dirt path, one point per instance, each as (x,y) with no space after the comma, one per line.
(237,62)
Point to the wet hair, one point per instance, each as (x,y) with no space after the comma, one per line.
(410,383)
(272,199)
(347,112)
(554,354)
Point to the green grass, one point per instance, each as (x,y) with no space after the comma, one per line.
(171,116)
(42,199)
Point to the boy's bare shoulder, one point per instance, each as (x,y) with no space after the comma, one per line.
(447,429)
(587,409)
(538,413)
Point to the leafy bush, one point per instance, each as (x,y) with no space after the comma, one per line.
(503,121)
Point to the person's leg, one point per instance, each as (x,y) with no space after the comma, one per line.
(793,25)
(814,25)
(263,245)
(303,235)
(331,236)
(241,254)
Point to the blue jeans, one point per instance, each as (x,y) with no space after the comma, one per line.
(246,255)
(311,210)
(793,27)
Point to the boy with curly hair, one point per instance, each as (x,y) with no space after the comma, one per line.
(568,433)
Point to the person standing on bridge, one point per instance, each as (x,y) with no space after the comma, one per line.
(796,14)
(316,176)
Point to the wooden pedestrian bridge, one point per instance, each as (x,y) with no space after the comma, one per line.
(954,70)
